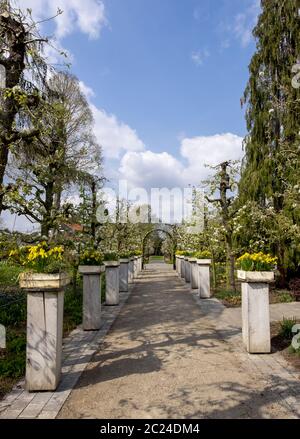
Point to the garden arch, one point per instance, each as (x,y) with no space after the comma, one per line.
(170,235)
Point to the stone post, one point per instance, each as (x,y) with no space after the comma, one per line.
(204,278)
(124,264)
(136,266)
(194,273)
(131,270)
(140,264)
(187,270)
(177,264)
(91,309)
(182,268)
(45,309)
(112,272)
(256,311)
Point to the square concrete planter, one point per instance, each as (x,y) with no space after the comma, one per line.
(256,311)
(131,271)
(136,266)
(182,268)
(178,264)
(112,273)
(140,264)
(187,270)
(45,308)
(256,276)
(124,268)
(91,269)
(91,309)
(204,278)
(43,281)
(194,273)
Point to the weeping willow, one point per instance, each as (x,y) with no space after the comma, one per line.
(270,171)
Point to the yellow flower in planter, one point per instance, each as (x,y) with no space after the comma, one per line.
(257,262)
(40,258)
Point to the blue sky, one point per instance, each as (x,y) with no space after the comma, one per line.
(164,79)
(142,69)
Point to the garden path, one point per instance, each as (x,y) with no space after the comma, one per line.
(164,357)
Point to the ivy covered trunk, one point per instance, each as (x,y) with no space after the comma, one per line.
(13,42)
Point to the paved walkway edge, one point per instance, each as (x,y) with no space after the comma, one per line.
(78,349)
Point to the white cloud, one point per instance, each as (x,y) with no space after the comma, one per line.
(86,90)
(199,56)
(115,137)
(149,169)
(86,16)
(212,149)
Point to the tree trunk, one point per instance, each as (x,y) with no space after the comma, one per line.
(47,220)
(14,34)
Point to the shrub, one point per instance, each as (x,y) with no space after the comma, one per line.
(286,327)
(12,365)
(13,309)
(125,255)
(232,298)
(9,274)
(111,256)
(186,253)
(72,308)
(205,254)
(285,297)
(294,286)
(91,257)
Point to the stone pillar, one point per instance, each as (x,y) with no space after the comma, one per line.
(136,266)
(45,309)
(124,264)
(140,264)
(187,270)
(178,265)
(194,273)
(204,278)
(131,271)
(112,272)
(44,340)
(182,268)
(256,311)
(91,309)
